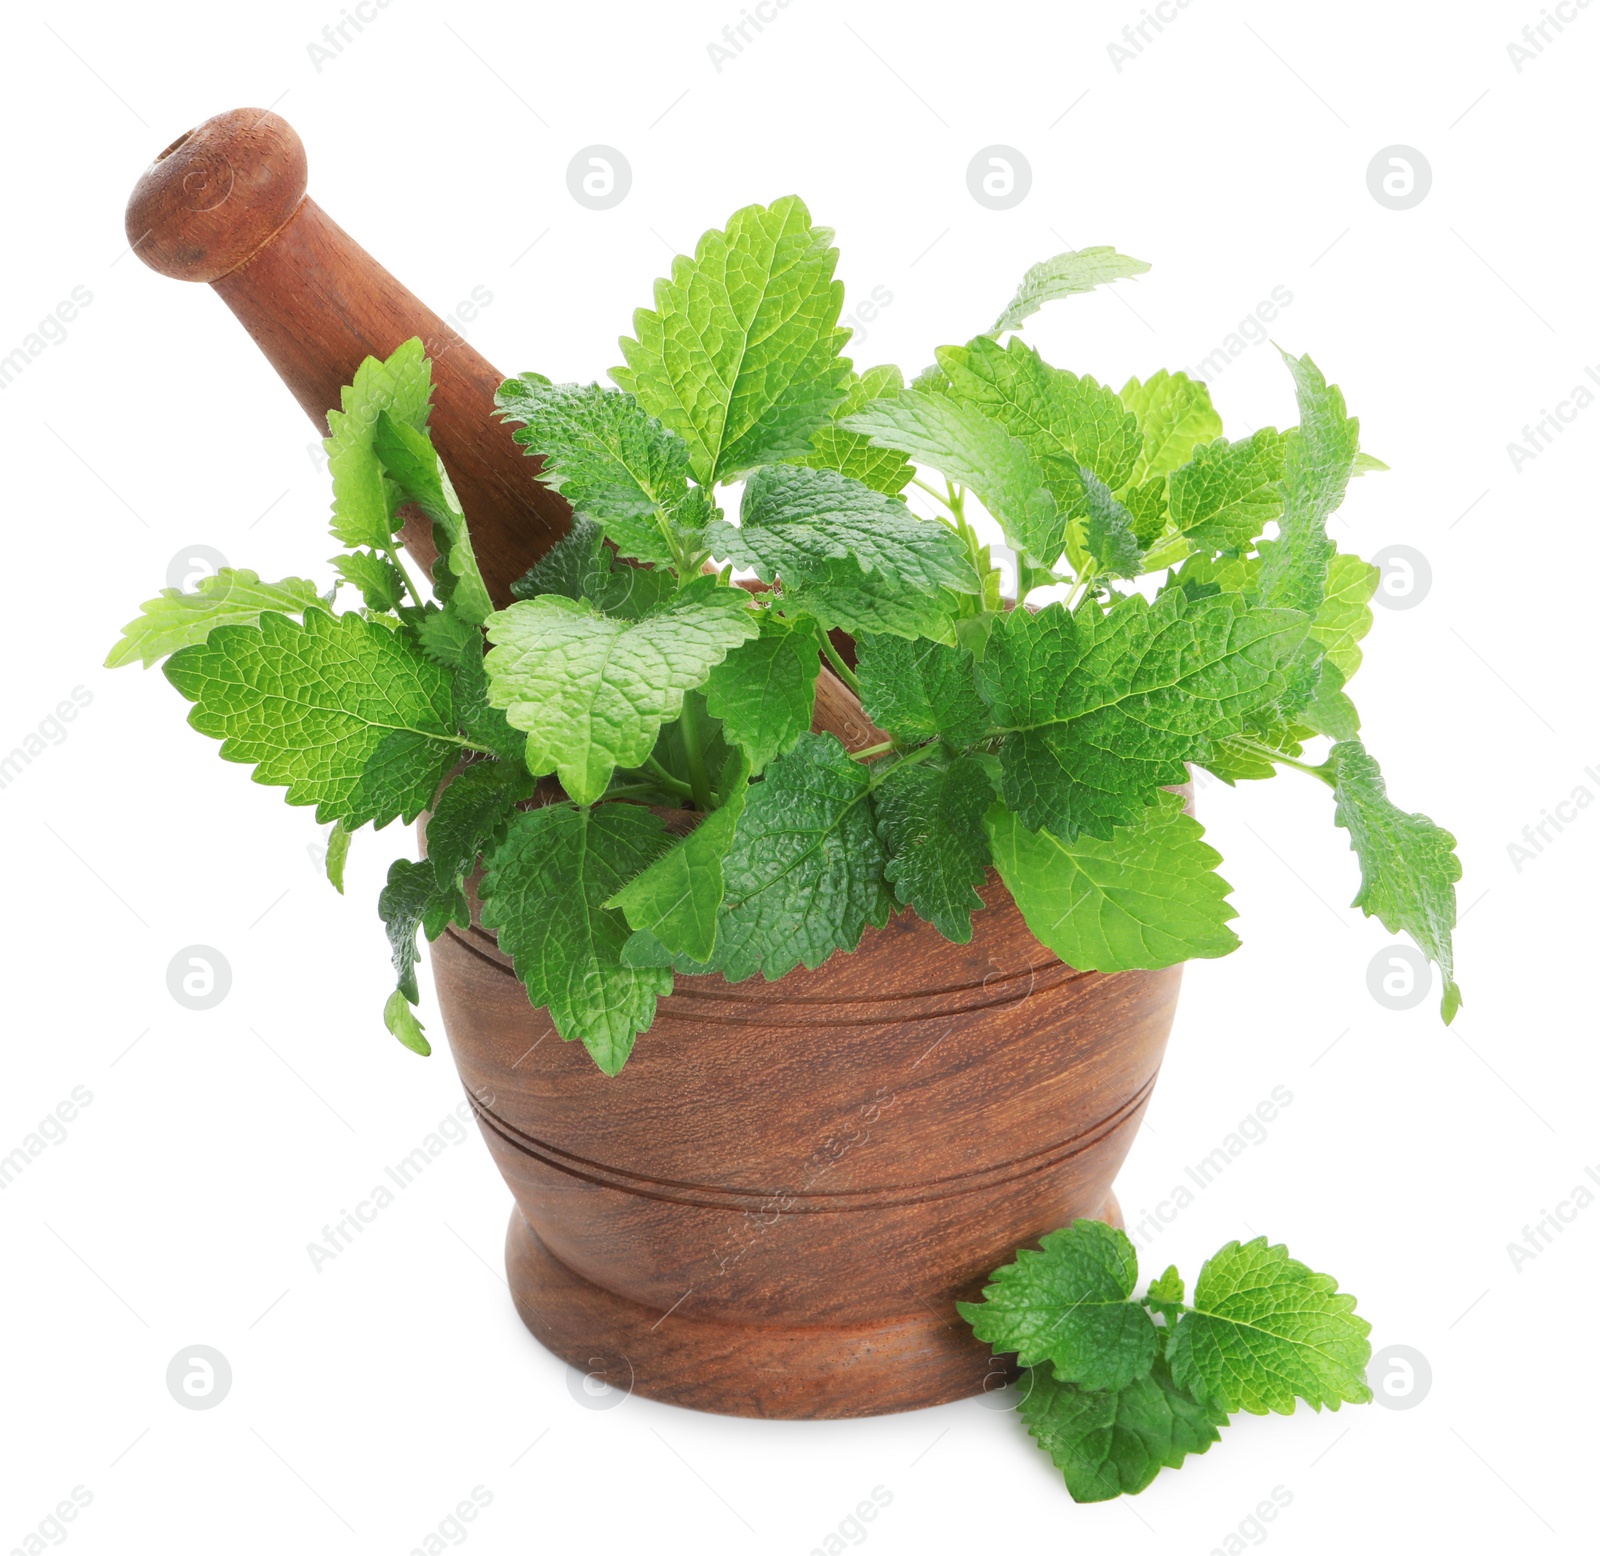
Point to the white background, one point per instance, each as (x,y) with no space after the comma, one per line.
(370,1398)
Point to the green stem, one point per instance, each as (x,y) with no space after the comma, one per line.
(694,753)
(841,669)
(664,525)
(932,491)
(1084,580)
(1324,773)
(910,759)
(393,553)
(665,779)
(956,501)
(988,597)
(685,563)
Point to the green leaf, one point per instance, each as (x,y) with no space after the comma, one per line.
(764,690)
(676,901)
(1203,575)
(1069,1304)
(400,778)
(409,458)
(232,596)
(402,1021)
(1148,896)
(1106,708)
(471,815)
(413,899)
(406,895)
(837,448)
(579,567)
(1329,711)
(804,873)
(612,460)
(1175,414)
(740,356)
(570,567)
(337,852)
(1111,1442)
(1148,506)
(1345,616)
(642,949)
(1366,464)
(1078,270)
(796,522)
(972,450)
(633,592)
(446,639)
(591,691)
(930,822)
(544,894)
(1066,422)
(363,514)
(483,725)
(1110,533)
(1165,1295)
(839,594)
(1231,760)
(347,714)
(1408,865)
(382,588)
(1225,496)
(1264,1329)
(1318,455)
(917,690)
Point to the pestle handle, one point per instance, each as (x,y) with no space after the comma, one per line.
(226,203)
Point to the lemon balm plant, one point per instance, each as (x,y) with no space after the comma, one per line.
(1198,613)
(1116,1388)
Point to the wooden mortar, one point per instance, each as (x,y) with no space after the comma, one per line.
(773,1208)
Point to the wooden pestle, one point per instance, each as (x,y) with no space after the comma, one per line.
(227,203)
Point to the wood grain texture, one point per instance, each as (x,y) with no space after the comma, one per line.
(901,1361)
(807,1173)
